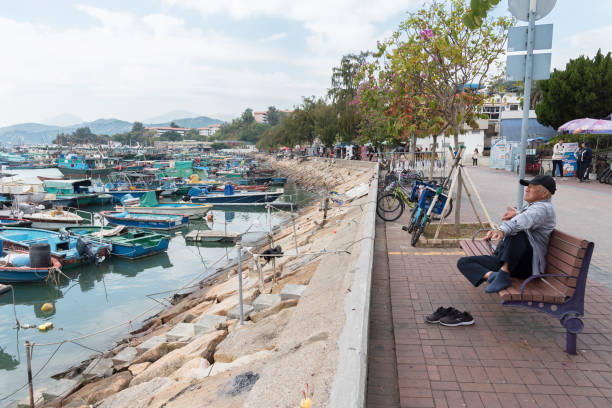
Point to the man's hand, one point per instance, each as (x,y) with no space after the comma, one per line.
(509,214)
(494,235)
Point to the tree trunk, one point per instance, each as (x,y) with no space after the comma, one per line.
(457,203)
(433,153)
(413,151)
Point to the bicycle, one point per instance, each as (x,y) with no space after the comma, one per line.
(394,199)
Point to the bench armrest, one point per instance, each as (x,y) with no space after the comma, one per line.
(488,241)
(543,275)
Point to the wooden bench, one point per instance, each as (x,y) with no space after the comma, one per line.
(560,291)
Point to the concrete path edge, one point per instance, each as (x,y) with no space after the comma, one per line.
(350,381)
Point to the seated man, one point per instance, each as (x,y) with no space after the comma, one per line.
(524,236)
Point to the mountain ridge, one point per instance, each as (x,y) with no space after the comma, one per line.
(35,133)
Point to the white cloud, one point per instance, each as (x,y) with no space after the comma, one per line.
(134,67)
(334,26)
(273,37)
(585,43)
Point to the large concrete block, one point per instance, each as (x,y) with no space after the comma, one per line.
(266,301)
(59,389)
(125,357)
(98,368)
(291,291)
(25,402)
(149,344)
(207,323)
(181,332)
(235,312)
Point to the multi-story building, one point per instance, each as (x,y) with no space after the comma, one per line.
(160,130)
(208,130)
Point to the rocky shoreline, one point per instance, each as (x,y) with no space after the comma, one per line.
(195,353)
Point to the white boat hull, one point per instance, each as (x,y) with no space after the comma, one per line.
(192,212)
(53,226)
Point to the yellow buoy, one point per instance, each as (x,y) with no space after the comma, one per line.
(45,326)
(306,403)
(47,307)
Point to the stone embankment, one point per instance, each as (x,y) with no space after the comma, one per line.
(306,319)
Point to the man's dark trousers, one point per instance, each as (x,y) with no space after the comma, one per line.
(514,249)
(557,163)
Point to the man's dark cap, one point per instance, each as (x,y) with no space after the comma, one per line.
(545,181)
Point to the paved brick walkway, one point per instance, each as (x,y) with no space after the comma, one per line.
(383,389)
(510,357)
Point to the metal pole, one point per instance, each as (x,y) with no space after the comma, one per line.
(28,346)
(526,98)
(294,231)
(239,247)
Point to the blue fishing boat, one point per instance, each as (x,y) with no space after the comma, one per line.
(150,205)
(21,266)
(230,197)
(69,250)
(14,222)
(130,244)
(146,221)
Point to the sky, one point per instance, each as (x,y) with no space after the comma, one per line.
(137,59)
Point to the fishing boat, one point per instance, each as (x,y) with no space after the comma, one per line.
(126,243)
(238,187)
(146,221)
(74,166)
(230,197)
(150,205)
(18,266)
(14,222)
(53,219)
(69,250)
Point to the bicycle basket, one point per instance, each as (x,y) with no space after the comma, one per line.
(427,196)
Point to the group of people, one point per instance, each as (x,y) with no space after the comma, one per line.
(584,157)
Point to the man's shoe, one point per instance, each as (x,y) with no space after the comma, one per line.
(405,228)
(492,276)
(457,319)
(501,282)
(439,314)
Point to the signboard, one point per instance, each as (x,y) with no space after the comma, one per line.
(517,38)
(515,67)
(570,161)
(520,8)
(497,160)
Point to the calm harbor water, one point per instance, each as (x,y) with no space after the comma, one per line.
(95,298)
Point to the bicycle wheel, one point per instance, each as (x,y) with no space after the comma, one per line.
(416,234)
(414,221)
(390,207)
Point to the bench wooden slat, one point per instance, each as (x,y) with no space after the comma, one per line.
(483,247)
(468,248)
(581,243)
(549,294)
(553,270)
(556,242)
(562,266)
(563,256)
(561,286)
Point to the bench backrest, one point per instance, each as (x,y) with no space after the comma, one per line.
(567,255)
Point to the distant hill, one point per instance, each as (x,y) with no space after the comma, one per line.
(194,123)
(39,133)
(64,119)
(170,116)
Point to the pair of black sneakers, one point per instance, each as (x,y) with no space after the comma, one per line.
(449,316)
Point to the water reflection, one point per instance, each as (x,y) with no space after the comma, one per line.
(7,361)
(33,294)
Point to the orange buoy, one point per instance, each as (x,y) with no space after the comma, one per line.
(209,217)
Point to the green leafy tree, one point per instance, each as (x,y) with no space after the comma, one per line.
(174,125)
(274,116)
(247,116)
(477,12)
(343,91)
(137,127)
(583,89)
(171,136)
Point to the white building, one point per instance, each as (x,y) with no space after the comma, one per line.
(208,130)
(160,130)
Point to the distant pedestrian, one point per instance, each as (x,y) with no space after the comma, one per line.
(475,157)
(557,158)
(585,158)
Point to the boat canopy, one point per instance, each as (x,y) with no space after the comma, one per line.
(149,199)
(65,186)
